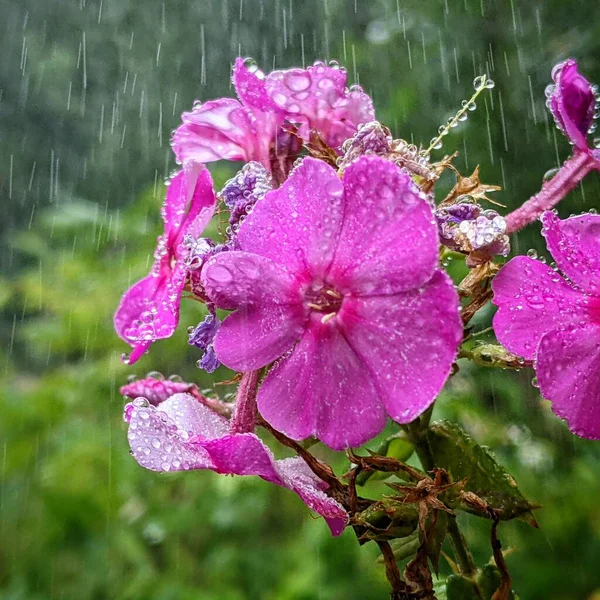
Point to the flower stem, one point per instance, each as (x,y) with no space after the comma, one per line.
(571,172)
(244,412)
(418,433)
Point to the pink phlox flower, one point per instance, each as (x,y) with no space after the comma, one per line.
(181,434)
(554,319)
(572,101)
(337,281)
(149,310)
(253,127)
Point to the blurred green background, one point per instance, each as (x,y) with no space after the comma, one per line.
(89,92)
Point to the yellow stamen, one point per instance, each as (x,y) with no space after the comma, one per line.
(327,317)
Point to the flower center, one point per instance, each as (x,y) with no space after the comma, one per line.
(323,299)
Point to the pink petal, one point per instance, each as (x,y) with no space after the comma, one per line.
(155,390)
(532,299)
(183,434)
(298,477)
(255,336)
(322,389)
(568,370)
(215,130)
(149,310)
(318,97)
(251,89)
(407,343)
(233,279)
(389,239)
(298,224)
(572,102)
(355,110)
(575,246)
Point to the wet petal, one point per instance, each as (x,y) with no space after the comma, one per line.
(255,336)
(149,310)
(298,477)
(571,101)
(298,224)
(215,130)
(575,246)
(184,434)
(322,389)
(389,238)
(407,342)
(155,390)
(250,87)
(233,279)
(318,97)
(568,370)
(532,299)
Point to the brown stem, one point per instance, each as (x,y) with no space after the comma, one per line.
(400,590)
(245,411)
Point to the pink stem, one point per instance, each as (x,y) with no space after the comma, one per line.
(571,172)
(244,411)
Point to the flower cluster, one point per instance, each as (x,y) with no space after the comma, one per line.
(340,315)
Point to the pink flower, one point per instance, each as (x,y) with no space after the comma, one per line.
(556,321)
(571,101)
(182,435)
(149,310)
(338,279)
(251,129)
(156,390)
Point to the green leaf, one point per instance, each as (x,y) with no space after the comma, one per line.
(461,588)
(435,539)
(405,547)
(489,580)
(457,452)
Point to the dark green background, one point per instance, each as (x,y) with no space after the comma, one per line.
(83,154)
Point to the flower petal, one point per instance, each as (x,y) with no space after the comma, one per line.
(233,279)
(568,371)
(318,97)
(389,238)
(572,102)
(407,342)
(298,477)
(155,390)
(218,129)
(575,246)
(149,310)
(322,389)
(255,336)
(250,87)
(297,225)
(532,299)
(184,434)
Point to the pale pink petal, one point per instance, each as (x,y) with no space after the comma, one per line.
(532,299)
(407,342)
(233,279)
(298,224)
(255,336)
(160,443)
(322,389)
(575,246)
(389,238)
(215,130)
(568,371)
(183,434)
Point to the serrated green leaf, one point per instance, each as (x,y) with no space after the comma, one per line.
(458,453)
